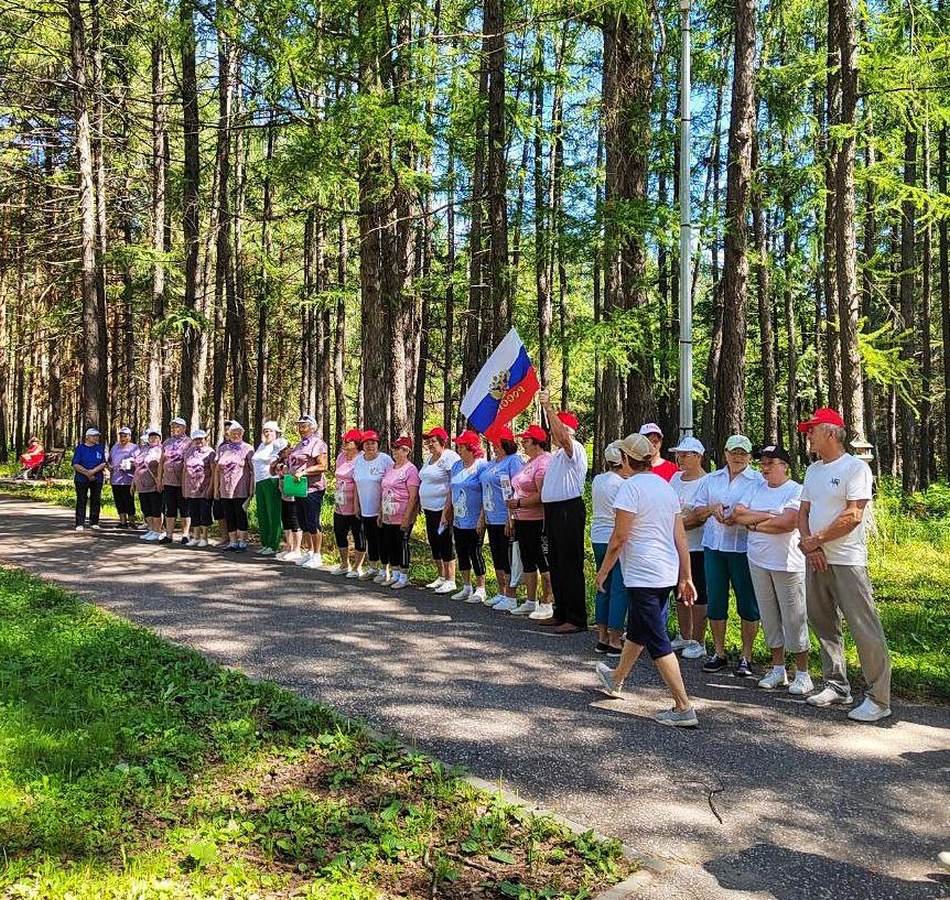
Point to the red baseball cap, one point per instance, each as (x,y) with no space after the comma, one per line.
(437,432)
(824,415)
(469,438)
(535,432)
(354,434)
(403,441)
(500,434)
(369,435)
(568,418)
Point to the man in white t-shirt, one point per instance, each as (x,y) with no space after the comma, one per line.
(837,489)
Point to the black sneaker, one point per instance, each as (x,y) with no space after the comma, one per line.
(715,663)
(164,539)
(613,651)
(743,670)
(185,541)
(601,647)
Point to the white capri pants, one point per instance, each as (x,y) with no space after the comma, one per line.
(781,599)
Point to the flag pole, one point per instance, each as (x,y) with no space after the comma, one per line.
(686,233)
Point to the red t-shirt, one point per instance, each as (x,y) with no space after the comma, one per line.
(666,469)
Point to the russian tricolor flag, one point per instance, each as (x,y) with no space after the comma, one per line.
(504,387)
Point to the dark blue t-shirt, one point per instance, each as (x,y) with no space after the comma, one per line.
(89,457)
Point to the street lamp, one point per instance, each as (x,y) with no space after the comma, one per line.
(686,234)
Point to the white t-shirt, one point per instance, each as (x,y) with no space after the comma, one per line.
(686,491)
(828,488)
(368,475)
(564,478)
(435,478)
(263,456)
(603,493)
(649,557)
(716,488)
(776,552)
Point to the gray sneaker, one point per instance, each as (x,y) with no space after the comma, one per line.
(605,676)
(685,719)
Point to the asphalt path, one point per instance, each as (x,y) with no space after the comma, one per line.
(812,805)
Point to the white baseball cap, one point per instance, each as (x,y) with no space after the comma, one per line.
(270,425)
(199,433)
(307,419)
(153,430)
(92,432)
(234,425)
(178,420)
(689,444)
(739,442)
(651,428)
(125,430)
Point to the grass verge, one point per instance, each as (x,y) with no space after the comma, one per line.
(130,767)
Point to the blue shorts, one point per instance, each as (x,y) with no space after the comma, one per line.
(646,619)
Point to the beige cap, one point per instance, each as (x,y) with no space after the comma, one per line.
(637,447)
(612,453)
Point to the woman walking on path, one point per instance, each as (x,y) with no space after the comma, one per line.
(145,480)
(288,510)
(368,471)
(121,464)
(266,491)
(650,542)
(197,483)
(777,567)
(434,492)
(724,552)
(233,484)
(399,493)
(691,619)
(308,460)
(496,478)
(464,514)
(169,480)
(610,604)
(345,520)
(528,518)
(89,461)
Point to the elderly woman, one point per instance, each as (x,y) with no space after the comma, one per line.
(368,471)
(293,536)
(400,491)
(528,519)
(724,552)
(464,514)
(691,619)
(197,483)
(89,461)
(308,460)
(31,459)
(169,480)
(233,484)
(266,491)
(145,480)
(121,464)
(434,492)
(610,604)
(346,522)
(496,480)
(650,542)
(777,566)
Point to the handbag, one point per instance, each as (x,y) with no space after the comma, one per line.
(517,569)
(293,487)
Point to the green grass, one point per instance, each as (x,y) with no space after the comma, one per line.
(130,767)
(908,562)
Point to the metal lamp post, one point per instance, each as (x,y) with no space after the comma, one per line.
(686,233)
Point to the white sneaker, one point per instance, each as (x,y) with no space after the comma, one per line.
(464,593)
(202,543)
(355,573)
(339,569)
(801,684)
(679,642)
(605,678)
(775,678)
(96,527)
(152,536)
(400,582)
(292,556)
(477,596)
(368,574)
(869,711)
(381,577)
(828,697)
(80,528)
(525,609)
(505,604)
(544,611)
(145,537)
(491,601)
(694,650)
(447,587)
(303,559)
(315,562)
(432,585)
(319,558)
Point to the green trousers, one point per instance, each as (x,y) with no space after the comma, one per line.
(268,512)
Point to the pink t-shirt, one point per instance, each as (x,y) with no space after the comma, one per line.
(528,481)
(173,452)
(395,492)
(146,469)
(345,491)
(235,470)
(305,454)
(196,472)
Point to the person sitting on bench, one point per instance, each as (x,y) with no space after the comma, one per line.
(32,460)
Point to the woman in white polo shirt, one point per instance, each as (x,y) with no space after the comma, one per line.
(777,567)
(266,489)
(368,471)
(435,476)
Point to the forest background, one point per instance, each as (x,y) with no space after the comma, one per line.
(251,207)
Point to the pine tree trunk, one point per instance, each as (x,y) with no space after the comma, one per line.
(97,139)
(829,321)
(542,285)
(264,296)
(908,428)
(339,337)
(159,177)
(927,463)
(944,263)
(448,340)
(766,333)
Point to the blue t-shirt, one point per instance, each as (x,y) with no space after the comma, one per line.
(493,494)
(467,493)
(89,457)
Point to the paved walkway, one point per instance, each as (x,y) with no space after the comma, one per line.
(813,806)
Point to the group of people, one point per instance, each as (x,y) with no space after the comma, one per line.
(791,554)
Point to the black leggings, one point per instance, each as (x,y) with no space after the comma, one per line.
(500,546)
(395,546)
(122,494)
(343,526)
(468,542)
(529,533)
(198,509)
(371,530)
(441,544)
(235,515)
(288,515)
(88,492)
(151,503)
